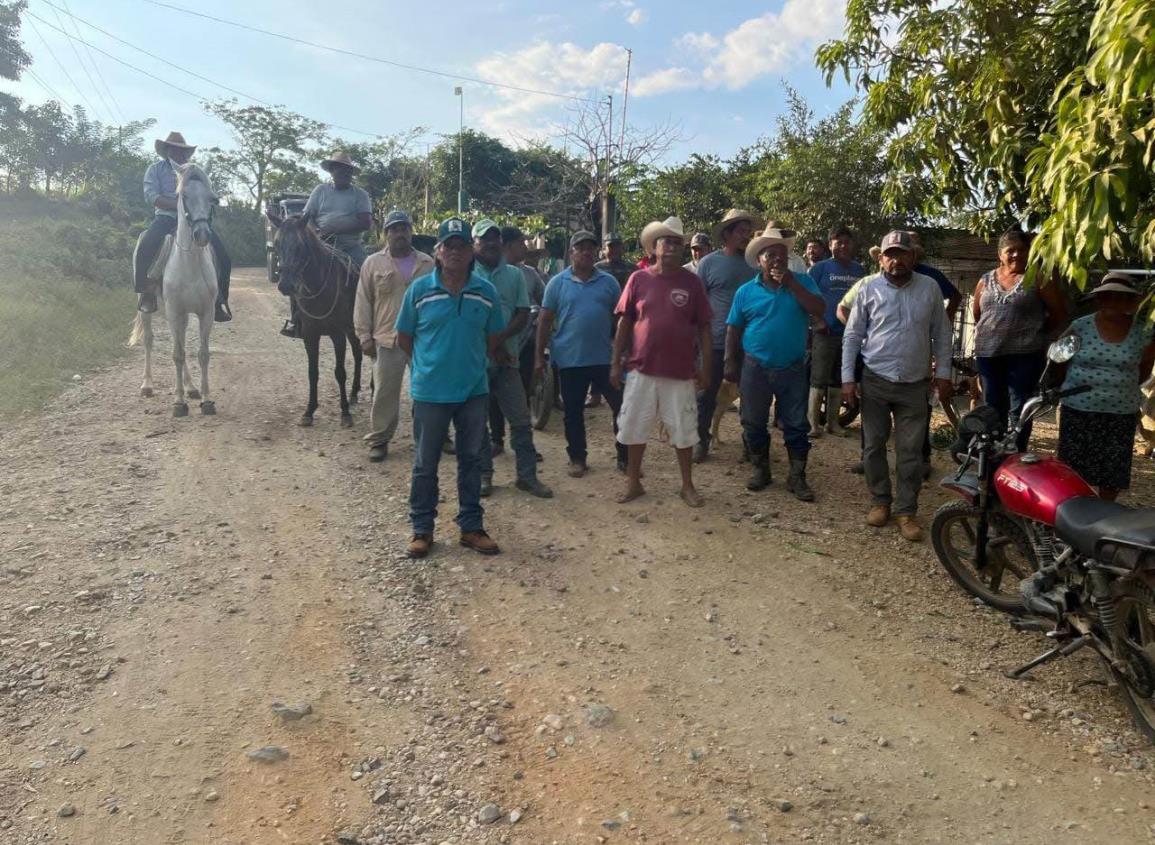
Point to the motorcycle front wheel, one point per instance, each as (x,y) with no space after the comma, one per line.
(1133,640)
(541,400)
(1010,559)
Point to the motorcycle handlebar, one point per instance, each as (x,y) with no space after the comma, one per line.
(1074,391)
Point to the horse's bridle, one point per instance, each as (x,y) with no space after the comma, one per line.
(308,295)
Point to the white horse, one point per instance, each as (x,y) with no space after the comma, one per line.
(189,287)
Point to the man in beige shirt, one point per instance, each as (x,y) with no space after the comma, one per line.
(385,276)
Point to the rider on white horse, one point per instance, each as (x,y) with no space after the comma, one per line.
(160,190)
(341,213)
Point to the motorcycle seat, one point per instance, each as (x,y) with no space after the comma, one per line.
(1107,531)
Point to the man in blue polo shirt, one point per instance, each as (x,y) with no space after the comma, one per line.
(581,301)
(834,277)
(450,322)
(769,319)
(505,382)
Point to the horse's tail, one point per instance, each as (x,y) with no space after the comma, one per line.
(137,335)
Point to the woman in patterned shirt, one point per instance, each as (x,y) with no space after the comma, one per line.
(1097,428)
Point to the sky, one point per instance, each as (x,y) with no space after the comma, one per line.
(720,78)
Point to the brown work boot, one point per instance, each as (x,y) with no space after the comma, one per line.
(479,541)
(577,469)
(878,517)
(419,545)
(909,528)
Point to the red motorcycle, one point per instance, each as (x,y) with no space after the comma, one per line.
(1030,538)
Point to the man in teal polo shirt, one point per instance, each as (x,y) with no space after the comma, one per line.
(505,382)
(769,317)
(450,321)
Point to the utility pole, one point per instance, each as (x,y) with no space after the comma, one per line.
(609,209)
(460,92)
(626,98)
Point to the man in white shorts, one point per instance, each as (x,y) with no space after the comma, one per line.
(665,319)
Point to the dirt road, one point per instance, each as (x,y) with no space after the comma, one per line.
(773,671)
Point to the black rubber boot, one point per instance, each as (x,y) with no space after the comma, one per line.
(147,302)
(702,449)
(760,478)
(796,482)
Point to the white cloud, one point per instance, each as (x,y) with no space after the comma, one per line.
(758,47)
(666,81)
(701,43)
(636,17)
(564,68)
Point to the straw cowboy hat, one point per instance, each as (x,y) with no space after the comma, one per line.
(174,139)
(770,235)
(341,157)
(670,228)
(734,215)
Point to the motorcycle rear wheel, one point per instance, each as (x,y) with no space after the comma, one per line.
(1010,558)
(1133,639)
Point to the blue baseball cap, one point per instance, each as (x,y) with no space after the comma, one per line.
(397,216)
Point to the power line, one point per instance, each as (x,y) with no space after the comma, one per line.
(48,88)
(95,66)
(59,63)
(84,67)
(173,85)
(165,61)
(377,59)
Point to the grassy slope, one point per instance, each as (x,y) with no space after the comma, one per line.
(65,298)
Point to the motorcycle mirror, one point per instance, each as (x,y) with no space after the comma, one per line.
(1064,349)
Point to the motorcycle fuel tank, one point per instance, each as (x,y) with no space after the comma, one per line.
(1033,486)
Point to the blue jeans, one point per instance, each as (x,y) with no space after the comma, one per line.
(787,387)
(708,398)
(1008,382)
(507,390)
(575,382)
(430,428)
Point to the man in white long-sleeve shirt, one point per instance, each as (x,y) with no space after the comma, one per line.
(898,323)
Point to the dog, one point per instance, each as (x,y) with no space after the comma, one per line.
(727,396)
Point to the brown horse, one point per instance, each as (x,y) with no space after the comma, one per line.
(323,282)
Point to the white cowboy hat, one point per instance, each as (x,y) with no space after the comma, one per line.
(770,235)
(174,139)
(1116,283)
(670,228)
(339,158)
(735,215)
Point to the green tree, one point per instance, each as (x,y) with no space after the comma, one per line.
(267,138)
(698,191)
(1037,111)
(1093,167)
(816,175)
(13,57)
(962,91)
(488,172)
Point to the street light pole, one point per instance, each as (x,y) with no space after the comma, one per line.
(460,92)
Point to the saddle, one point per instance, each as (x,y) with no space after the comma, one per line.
(156,269)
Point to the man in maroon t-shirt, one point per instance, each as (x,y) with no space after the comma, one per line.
(665,320)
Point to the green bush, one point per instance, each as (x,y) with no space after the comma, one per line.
(65,297)
(243,233)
